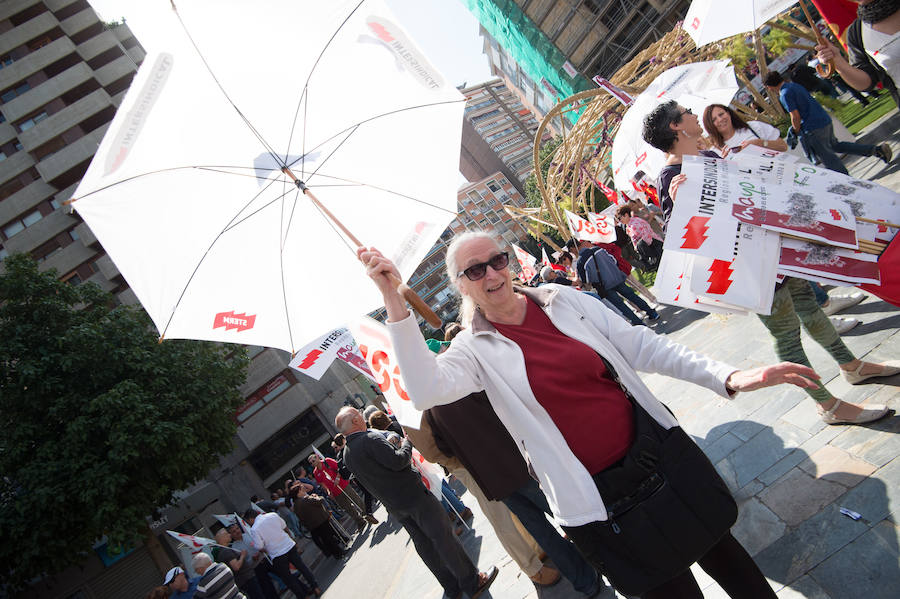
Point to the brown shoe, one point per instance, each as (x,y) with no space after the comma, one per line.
(546,576)
(485,580)
(371,519)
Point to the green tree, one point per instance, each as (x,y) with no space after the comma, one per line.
(100,423)
(738,50)
(532,193)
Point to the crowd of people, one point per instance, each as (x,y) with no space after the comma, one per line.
(584,444)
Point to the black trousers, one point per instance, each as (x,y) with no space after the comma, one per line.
(437,545)
(281,567)
(326,539)
(729,564)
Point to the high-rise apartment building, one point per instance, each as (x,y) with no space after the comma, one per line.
(594,37)
(497,117)
(480,207)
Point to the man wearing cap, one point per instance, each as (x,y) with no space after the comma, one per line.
(178,582)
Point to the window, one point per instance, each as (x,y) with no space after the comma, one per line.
(14,92)
(29,123)
(504,182)
(2,156)
(73,235)
(20,224)
(492,185)
(5,61)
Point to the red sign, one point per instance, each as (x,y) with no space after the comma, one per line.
(230,320)
(695,232)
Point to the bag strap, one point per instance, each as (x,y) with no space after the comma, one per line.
(601,288)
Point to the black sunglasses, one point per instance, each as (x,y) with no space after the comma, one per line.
(477,271)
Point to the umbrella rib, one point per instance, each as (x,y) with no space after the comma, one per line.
(227,228)
(372,118)
(235,223)
(336,148)
(253,129)
(304,96)
(283,233)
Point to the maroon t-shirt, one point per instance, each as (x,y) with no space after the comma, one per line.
(571,382)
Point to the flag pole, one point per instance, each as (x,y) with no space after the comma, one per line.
(414,300)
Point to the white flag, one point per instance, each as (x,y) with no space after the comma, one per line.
(431,474)
(527,262)
(586,231)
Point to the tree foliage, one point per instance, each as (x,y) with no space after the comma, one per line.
(532,193)
(100,423)
(738,50)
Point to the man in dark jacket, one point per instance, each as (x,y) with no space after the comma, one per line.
(389,475)
(311,512)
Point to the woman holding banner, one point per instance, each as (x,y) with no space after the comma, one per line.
(620,475)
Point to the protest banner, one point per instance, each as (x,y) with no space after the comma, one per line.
(746,282)
(584,230)
(376,347)
(431,474)
(673,283)
(193,542)
(527,262)
(315,357)
(349,354)
(604,223)
(701,221)
(833,262)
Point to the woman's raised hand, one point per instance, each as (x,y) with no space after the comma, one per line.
(769,376)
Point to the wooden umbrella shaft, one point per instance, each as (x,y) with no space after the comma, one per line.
(828,68)
(408,294)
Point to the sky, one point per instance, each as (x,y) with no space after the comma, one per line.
(444,29)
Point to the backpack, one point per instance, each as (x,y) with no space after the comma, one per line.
(601,271)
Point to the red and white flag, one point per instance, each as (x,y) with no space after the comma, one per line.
(605,224)
(431,474)
(527,262)
(584,230)
(376,347)
(194,543)
(545,259)
(616,92)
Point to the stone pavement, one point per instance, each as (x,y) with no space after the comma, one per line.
(790,472)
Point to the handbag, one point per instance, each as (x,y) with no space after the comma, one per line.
(667,507)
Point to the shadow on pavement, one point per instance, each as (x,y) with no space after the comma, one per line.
(387,527)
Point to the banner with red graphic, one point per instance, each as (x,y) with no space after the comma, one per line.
(527,262)
(193,542)
(377,349)
(673,284)
(431,474)
(604,223)
(748,280)
(315,357)
(584,230)
(616,92)
(839,264)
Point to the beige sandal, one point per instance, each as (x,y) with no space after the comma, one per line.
(854,377)
(867,414)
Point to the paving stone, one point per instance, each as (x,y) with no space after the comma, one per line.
(804,588)
(762,451)
(748,491)
(798,496)
(878,496)
(806,546)
(877,443)
(757,526)
(723,446)
(805,416)
(784,465)
(833,464)
(867,567)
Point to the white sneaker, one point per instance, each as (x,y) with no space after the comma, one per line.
(836,303)
(842,325)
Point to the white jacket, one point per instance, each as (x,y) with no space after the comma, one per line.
(480,358)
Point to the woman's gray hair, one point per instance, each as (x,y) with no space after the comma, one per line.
(467,306)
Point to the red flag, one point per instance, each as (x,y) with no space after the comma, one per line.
(889,274)
(838,14)
(650,191)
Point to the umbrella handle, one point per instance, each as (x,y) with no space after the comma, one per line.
(824,70)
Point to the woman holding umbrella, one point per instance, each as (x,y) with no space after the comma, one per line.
(630,488)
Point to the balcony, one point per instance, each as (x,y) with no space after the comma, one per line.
(24,199)
(26,31)
(70,257)
(106,266)
(65,119)
(53,88)
(41,232)
(72,155)
(7,133)
(35,61)
(79,21)
(96,45)
(15,165)
(114,70)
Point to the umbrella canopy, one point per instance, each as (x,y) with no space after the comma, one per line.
(693,86)
(709,21)
(186,192)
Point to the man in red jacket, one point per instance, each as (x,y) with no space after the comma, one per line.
(326,474)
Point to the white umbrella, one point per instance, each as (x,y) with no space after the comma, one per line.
(709,21)
(192,192)
(693,86)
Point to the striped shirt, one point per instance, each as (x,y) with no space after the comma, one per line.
(217,583)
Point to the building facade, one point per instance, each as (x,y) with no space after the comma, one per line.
(63,73)
(594,37)
(497,123)
(480,206)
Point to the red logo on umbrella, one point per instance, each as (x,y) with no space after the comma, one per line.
(230,320)
(640,159)
(695,232)
(695,23)
(835,214)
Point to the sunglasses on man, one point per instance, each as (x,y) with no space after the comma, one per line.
(476,272)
